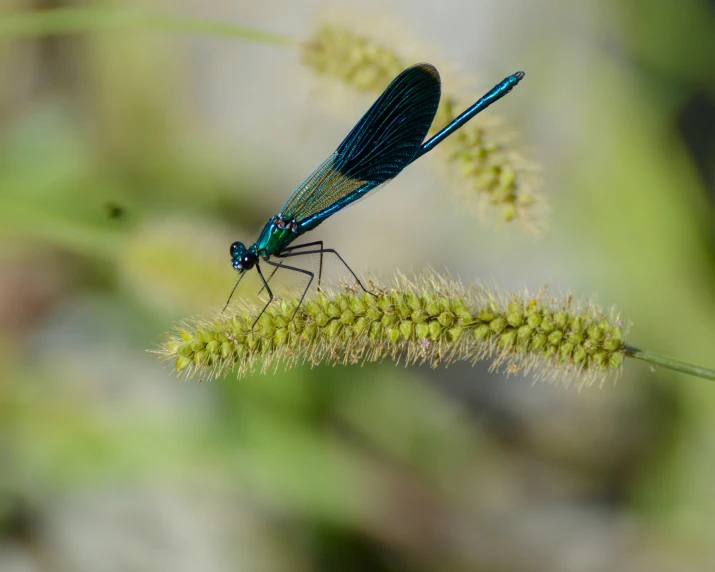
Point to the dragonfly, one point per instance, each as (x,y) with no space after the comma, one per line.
(389,137)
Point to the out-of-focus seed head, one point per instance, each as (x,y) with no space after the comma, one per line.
(479,159)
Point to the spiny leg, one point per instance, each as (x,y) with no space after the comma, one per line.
(304,245)
(270,294)
(232,291)
(301,270)
(290,248)
(269,278)
(321,251)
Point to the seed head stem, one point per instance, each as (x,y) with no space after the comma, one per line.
(673,364)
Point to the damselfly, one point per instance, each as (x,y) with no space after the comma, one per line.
(388,138)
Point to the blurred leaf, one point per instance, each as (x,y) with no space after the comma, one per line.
(49,190)
(69,20)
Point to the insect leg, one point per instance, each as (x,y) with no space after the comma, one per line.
(321,251)
(270,294)
(269,277)
(290,248)
(232,291)
(305,245)
(301,270)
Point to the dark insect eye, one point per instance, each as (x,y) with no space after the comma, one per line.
(248,261)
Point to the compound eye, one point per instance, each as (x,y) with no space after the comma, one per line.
(248,261)
(236,247)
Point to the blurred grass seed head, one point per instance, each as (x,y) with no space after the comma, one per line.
(479,158)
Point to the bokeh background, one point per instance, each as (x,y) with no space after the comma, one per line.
(131,159)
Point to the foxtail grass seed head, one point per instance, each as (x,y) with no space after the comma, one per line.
(430,319)
(492,174)
(355,60)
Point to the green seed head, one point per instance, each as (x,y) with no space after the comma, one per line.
(429,319)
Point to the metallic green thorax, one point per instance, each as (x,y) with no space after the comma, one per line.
(274,237)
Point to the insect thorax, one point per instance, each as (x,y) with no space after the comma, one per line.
(276,235)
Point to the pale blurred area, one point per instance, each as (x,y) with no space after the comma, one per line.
(129,161)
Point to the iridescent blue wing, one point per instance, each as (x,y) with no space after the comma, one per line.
(382,143)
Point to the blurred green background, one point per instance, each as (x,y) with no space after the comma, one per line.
(130,160)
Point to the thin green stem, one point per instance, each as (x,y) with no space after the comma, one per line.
(673,364)
(84,20)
